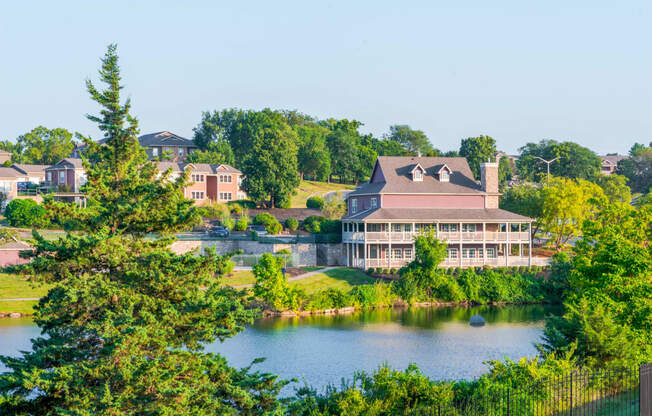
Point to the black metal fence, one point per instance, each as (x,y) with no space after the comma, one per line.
(604,393)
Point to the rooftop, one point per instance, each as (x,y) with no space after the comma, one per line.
(430,214)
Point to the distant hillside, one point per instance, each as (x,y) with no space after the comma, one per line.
(311,188)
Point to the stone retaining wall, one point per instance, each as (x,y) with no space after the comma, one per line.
(305,253)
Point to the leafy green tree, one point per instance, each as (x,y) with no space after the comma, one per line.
(125,322)
(216,126)
(478,150)
(292,224)
(413,141)
(524,200)
(343,141)
(270,164)
(272,286)
(313,156)
(216,153)
(638,168)
(270,223)
(388,147)
(566,204)
(334,207)
(615,188)
(574,161)
(25,213)
(506,169)
(43,146)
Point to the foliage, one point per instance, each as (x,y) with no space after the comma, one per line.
(272,287)
(615,188)
(26,213)
(608,319)
(43,146)
(270,223)
(124,325)
(334,207)
(506,171)
(227,222)
(638,168)
(525,200)
(576,162)
(241,223)
(312,223)
(478,150)
(217,153)
(329,299)
(313,156)
(373,295)
(292,224)
(413,141)
(566,203)
(315,202)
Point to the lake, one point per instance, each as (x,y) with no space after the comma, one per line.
(323,349)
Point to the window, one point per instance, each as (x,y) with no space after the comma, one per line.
(226,178)
(181,151)
(396,228)
(373,252)
(354,205)
(374,203)
(198,178)
(491,253)
(155,151)
(241,195)
(480,253)
(373,228)
(448,227)
(398,253)
(225,196)
(407,253)
(197,195)
(443,175)
(417,175)
(452,253)
(48,176)
(62,176)
(468,228)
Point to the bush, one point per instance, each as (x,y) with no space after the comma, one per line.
(269,222)
(392,270)
(241,224)
(331,227)
(377,294)
(25,213)
(315,202)
(329,299)
(235,209)
(292,224)
(227,222)
(379,270)
(244,203)
(312,224)
(214,210)
(370,270)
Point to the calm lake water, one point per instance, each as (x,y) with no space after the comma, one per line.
(323,349)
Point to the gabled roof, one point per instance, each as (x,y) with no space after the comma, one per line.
(396,172)
(75,163)
(9,173)
(26,169)
(438,214)
(164,138)
(613,160)
(196,167)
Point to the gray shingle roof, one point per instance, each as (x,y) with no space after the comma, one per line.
(430,214)
(198,167)
(70,161)
(164,138)
(9,173)
(25,168)
(613,159)
(397,169)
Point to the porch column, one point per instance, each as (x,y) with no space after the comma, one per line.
(484,243)
(529,252)
(389,240)
(460,233)
(348,249)
(507,245)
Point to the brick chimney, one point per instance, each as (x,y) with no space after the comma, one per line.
(489,181)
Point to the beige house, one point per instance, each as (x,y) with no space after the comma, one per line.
(209,183)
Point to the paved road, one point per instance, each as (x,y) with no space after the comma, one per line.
(298,277)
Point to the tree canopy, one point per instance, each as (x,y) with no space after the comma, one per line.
(42,146)
(575,161)
(478,150)
(413,141)
(637,168)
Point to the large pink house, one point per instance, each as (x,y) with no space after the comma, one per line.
(409,195)
(209,183)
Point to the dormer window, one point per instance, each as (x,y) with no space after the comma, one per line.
(443,176)
(443,173)
(417,173)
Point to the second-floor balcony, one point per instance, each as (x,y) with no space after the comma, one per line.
(449,236)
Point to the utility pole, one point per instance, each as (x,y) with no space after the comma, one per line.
(548,162)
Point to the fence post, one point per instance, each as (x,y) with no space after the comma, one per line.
(571,394)
(645,389)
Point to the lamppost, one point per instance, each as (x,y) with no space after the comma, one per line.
(548,162)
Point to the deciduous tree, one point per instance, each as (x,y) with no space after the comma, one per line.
(575,161)
(478,150)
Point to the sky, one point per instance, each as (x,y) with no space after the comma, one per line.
(518,71)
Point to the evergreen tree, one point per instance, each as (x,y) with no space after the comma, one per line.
(124,324)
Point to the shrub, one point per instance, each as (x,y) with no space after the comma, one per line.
(235,209)
(312,224)
(241,224)
(331,227)
(214,210)
(385,271)
(370,270)
(379,270)
(392,270)
(25,213)
(227,222)
(329,299)
(292,224)
(315,202)
(269,222)
(377,294)
(244,203)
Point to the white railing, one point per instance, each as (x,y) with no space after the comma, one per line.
(474,262)
(353,236)
(450,236)
(387,264)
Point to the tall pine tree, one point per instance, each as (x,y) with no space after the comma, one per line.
(125,321)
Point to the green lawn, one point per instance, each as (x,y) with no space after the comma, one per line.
(241,277)
(23,306)
(341,278)
(311,268)
(306,188)
(13,286)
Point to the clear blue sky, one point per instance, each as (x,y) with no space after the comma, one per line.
(515,70)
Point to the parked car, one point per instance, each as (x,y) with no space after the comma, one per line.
(259,229)
(219,231)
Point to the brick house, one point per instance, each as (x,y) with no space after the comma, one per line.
(408,195)
(67,173)
(35,173)
(209,183)
(610,163)
(158,145)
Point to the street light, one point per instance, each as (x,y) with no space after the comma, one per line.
(548,162)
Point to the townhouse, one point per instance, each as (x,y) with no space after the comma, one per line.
(610,163)
(410,195)
(209,183)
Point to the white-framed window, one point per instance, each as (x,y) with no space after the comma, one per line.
(354,205)
(198,178)
(155,151)
(452,253)
(226,196)
(491,253)
(48,176)
(417,175)
(397,228)
(241,195)
(197,195)
(443,175)
(62,176)
(398,253)
(480,253)
(468,228)
(226,178)
(448,227)
(181,151)
(373,252)
(407,253)
(374,203)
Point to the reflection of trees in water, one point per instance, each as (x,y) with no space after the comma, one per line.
(426,318)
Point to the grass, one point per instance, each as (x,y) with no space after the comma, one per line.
(311,268)
(307,188)
(21,306)
(240,277)
(13,286)
(341,278)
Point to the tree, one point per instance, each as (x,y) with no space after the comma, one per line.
(478,150)
(43,146)
(217,153)
(413,141)
(218,125)
(343,141)
(272,286)
(313,157)
(615,188)
(124,324)
(574,161)
(566,204)
(270,164)
(524,200)
(25,213)
(506,168)
(638,168)
(334,207)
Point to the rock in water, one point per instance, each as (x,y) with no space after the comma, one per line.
(477,320)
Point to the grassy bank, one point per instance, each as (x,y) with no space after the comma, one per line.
(307,188)
(16,287)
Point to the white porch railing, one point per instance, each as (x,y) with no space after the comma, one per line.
(450,236)
(474,262)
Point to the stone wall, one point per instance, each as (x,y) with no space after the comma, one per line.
(306,254)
